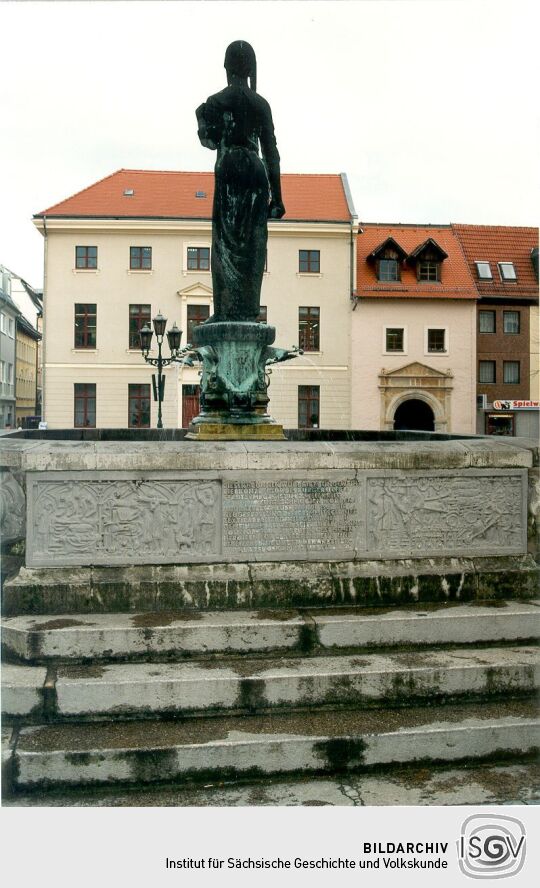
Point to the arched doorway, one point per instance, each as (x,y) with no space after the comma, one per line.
(414,415)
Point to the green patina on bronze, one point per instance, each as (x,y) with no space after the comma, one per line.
(233,347)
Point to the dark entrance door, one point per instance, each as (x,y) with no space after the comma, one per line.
(190,403)
(414,415)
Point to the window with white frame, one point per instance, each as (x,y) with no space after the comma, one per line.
(198,259)
(3,325)
(11,328)
(395,340)
(436,341)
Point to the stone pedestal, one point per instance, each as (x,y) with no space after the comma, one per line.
(234,382)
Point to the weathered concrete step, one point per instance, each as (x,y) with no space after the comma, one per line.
(117,636)
(479,784)
(251,747)
(106,636)
(124,690)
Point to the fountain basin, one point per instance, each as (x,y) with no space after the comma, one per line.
(306,516)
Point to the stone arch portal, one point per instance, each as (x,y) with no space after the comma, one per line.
(414,414)
(429,389)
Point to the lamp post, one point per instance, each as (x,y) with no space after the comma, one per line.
(174,336)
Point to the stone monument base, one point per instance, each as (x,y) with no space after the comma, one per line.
(230,431)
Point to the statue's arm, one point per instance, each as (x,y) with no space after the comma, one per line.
(271,158)
(206,132)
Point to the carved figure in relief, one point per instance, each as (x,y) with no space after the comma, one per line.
(443,512)
(115,517)
(12,507)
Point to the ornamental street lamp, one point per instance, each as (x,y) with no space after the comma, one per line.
(174,337)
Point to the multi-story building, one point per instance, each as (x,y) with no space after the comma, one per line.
(8,317)
(503,262)
(138,242)
(28,301)
(413,331)
(26,373)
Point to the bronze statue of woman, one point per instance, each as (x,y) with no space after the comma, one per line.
(247,192)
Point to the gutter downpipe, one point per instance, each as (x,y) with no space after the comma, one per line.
(44,314)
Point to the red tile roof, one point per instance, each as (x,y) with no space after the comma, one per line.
(498,243)
(172,195)
(456,280)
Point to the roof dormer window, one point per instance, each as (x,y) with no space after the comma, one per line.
(388,270)
(429,270)
(428,257)
(507,271)
(388,257)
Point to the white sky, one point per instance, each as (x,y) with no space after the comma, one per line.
(429,106)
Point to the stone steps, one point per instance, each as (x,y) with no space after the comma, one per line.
(188,634)
(148,689)
(141,699)
(462,784)
(250,747)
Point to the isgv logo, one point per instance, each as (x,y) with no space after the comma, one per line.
(491,846)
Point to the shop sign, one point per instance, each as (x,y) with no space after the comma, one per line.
(516,405)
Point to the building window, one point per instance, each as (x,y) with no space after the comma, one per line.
(395,339)
(499,424)
(309,328)
(511,372)
(140,258)
(486,321)
(486,372)
(139,315)
(436,339)
(388,270)
(85,325)
(308,406)
(85,405)
(309,261)
(483,270)
(511,321)
(11,328)
(263,315)
(428,271)
(196,315)
(85,257)
(3,326)
(198,258)
(139,406)
(507,271)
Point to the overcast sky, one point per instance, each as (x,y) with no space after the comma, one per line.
(429,106)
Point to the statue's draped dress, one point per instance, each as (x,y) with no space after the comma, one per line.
(236,120)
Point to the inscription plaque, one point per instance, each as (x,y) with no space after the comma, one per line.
(85,518)
(291,516)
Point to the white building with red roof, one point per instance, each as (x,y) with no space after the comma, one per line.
(139,241)
(413,331)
